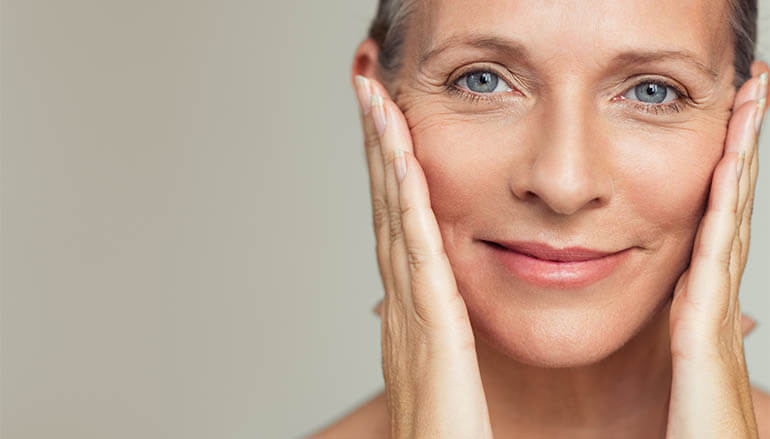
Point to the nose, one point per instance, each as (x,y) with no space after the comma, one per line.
(566,165)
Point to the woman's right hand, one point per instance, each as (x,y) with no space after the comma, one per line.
(432,381)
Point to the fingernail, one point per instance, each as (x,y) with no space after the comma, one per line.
(400,165)
(760,114)
(363,94)
(739,164)
(378,111)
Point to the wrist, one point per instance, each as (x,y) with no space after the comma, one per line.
(715,390)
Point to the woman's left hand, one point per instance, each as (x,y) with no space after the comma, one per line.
(710,388)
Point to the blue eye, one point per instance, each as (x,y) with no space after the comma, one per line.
(483,82)
(651,92)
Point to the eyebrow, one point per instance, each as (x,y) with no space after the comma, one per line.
(516,50)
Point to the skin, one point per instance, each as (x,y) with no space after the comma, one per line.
(653,350)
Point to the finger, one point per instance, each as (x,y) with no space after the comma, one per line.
(744,137)
(376,168)
(748,91)
(392,137)
(746,186)
(710,265)
(717,238)
(749,180)
(740,131)
(741,139)
(743,238)
(749,147)
(745,224)
(437,302)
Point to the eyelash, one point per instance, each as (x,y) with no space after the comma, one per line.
(674,106)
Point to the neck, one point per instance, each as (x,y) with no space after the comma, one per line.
(624,395)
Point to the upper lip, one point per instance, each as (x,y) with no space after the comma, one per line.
(546,252)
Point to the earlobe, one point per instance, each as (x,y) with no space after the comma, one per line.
(365,60)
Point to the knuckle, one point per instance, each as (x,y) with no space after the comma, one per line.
(424,317)
(371,139)
(392,308)
(419,249)
(416,259)
(395,328)
(409,211)
(396,234)
(421,257)
(380,212)
(389,158)
(737,245)
(748,210)
(425,265)
(383,259)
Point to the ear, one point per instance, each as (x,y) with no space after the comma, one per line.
(365,60)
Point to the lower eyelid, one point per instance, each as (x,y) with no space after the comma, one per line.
(471,96)
(674,106)
(481,98)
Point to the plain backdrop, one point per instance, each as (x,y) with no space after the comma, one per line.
(186,238)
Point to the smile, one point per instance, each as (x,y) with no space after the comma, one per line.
(545,266)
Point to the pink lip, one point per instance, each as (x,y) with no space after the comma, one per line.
(543,265)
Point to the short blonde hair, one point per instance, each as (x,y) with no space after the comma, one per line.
(389,26)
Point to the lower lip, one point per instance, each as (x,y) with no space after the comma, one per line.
(552,274)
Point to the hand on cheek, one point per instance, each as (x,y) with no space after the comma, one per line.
(430,367)
(433,385)
(711,394)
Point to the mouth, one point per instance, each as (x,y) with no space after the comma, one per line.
(549,267)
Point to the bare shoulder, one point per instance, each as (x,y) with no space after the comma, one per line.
(367,421)
(370,419)
(761,399)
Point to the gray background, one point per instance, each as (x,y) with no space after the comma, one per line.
(186,238)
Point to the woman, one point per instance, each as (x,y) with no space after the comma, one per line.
(561,196)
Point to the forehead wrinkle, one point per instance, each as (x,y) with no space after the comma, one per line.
(517,50)
(477,41)
(651,56)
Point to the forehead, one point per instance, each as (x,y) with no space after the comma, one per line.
(584,31)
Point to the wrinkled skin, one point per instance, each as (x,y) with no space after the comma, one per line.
(561,162)
(565,155)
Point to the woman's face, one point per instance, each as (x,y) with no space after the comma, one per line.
(594,125)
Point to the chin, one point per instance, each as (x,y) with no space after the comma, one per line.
(556,326)
(561,337)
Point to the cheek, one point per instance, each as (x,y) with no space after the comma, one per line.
(661,180)
(465,167)
(664,180)
(661,183)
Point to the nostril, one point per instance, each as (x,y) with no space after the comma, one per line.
(563,181)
